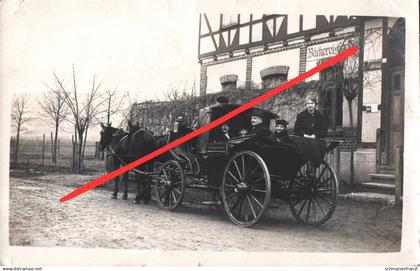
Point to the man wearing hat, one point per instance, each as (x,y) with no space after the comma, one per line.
(180,129)
(257,125)
(180,126)
(281,135)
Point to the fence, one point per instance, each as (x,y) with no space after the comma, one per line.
(39,151)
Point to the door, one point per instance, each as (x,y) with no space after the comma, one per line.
(396,115)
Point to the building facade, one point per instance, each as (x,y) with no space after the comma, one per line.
(242,51)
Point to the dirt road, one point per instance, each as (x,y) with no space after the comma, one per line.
(37,218)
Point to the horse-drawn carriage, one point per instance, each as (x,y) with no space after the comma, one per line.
(245,173)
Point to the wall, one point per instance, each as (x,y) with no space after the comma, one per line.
(288,58)
(364,165)
(372,81)
(371,97)
(214,73)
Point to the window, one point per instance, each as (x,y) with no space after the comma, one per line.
(331,98)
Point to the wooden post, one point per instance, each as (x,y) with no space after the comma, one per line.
(43,148)
(58,148)
(52,147)
(97,150)
(76,163)
(72,153)
(398,175)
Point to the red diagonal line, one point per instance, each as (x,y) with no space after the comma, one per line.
(211,125)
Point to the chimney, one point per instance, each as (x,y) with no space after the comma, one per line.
(228,82)
(274,76)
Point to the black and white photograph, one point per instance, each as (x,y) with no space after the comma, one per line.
(322,168)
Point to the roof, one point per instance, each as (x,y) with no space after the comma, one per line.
(222,109)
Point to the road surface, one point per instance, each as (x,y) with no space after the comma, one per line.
(37,218)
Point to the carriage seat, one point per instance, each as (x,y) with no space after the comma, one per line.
(186,159)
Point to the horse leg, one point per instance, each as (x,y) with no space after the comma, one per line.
(147,191)
(116,181)
(138,183)
(125,181)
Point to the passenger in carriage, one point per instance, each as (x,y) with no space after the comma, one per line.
(222,135)
(281,135)
(180,126)
(311,124)
(181,129)
(243,132)
(257,125)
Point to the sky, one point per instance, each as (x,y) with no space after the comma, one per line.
(144,47)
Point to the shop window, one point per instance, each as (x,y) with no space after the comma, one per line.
(330,99)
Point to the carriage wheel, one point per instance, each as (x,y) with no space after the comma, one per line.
(170,185)
(313,194)
(246,188)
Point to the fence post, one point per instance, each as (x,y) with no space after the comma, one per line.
(58,148)
(96,150)
(102,154)
(72,153)
(43,148)
(99,154)
(12,147)
(75,159)
(52,147)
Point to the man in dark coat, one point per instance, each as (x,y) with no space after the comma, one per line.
(257,125)
(180,126)
(311,123)
(222,135)
(180,129)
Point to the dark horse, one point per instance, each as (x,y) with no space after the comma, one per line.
(125,148)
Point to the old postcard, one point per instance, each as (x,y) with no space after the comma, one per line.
(251,133)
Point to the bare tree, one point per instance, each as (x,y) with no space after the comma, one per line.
(113,103)
(54,110)
(20,115)
(84,108)
(182,100)
(128,111)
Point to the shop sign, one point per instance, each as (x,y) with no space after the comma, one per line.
(325,50)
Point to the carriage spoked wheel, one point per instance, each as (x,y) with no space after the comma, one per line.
(313,194)
(246,188)
(170,185)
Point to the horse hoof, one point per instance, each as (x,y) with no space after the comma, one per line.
(124,197)
(136,201)
(114,196)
